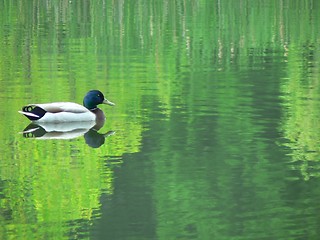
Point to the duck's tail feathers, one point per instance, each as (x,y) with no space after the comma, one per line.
(33,112)
(30,115)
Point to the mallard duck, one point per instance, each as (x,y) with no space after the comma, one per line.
(67,111)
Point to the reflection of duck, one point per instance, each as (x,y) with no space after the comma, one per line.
(95,139)
(57,131)
(67,111)
(68,131)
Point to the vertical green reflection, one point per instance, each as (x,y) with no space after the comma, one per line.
(301,106)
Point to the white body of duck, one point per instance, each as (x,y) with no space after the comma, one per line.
(60,112)
(68,111)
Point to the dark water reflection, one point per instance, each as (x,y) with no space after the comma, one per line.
(215,166)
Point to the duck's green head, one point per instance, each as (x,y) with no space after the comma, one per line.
(94,98)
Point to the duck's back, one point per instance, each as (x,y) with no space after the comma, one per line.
(62,107)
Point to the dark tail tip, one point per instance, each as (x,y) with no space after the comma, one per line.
(39,112)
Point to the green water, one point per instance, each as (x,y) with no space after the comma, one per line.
(216,124)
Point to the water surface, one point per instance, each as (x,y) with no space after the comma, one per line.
(215,132)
